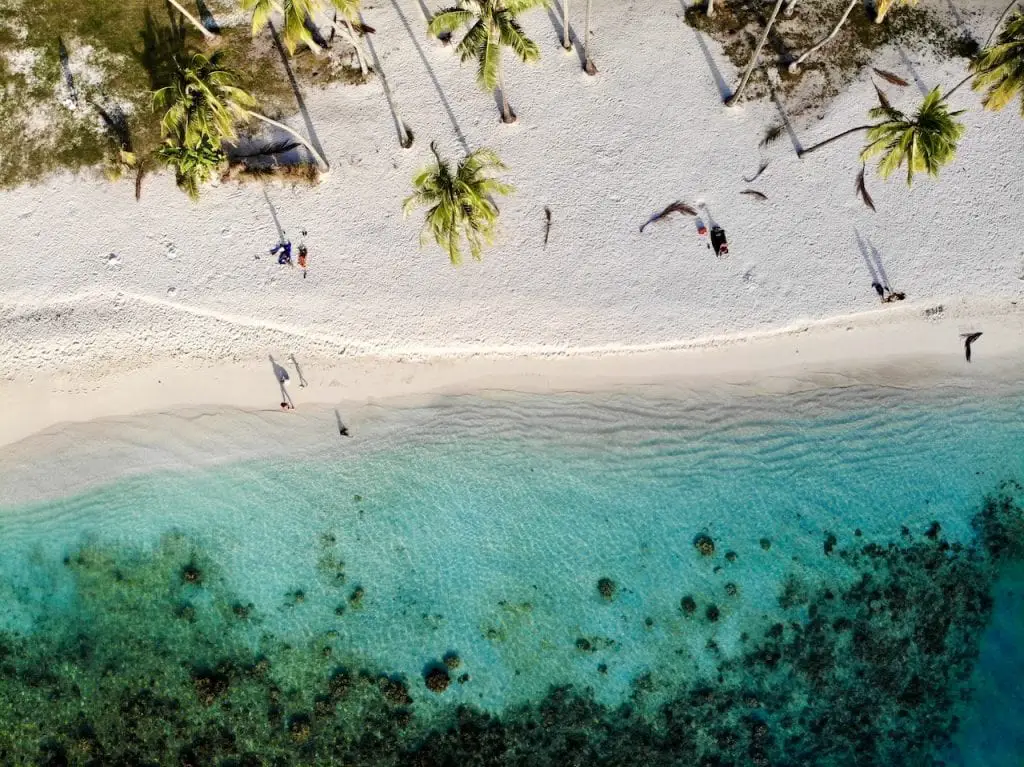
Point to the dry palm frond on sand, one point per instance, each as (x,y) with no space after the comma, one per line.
(755,194)
(676,207)
(760,170)
(771,135)
(890,77)
(862,189)
(882,98)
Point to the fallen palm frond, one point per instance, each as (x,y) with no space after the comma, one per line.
(862,189)
(882,98)
(268,150)
(771,135)
(676,207)
(547,224)
(760,170)
(754,193)
(890,77)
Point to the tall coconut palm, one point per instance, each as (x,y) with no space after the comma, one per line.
(794,66)
(460,202)
(202,100)
(492,26)
(882,7)
(999,69)
(923,142)
(210,36)
(566,40)
(588,63)
(735,97)
(350,12)
(294,14)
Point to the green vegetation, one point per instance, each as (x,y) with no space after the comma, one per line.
(999,70)
(78,78)
(492,26)
(924,142)
(460,201)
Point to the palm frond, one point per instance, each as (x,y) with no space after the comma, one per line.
(999,69)
(862,189)
(890,77)
(512,35)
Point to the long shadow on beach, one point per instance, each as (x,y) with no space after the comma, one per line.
(433,78)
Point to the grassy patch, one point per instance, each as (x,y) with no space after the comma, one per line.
(737,24)
(65,64)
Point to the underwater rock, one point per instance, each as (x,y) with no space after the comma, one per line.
(830,543)
(602,668)
(241,611)
(191,574)
(437,679)
(300,728)
(731,589)
(452,660)
(339,684)
(356,597)
(606,588)
(688,605)
(394,690)
(766,544)
(339,610)
(584,645)
(209,684)
(933,531)
(730,556)
(704,545)
(298,596)
(464,678)
(712,613)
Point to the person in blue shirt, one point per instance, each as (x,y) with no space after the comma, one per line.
(285,249)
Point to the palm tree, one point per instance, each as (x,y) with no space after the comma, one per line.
(924,142)
(492,25)
(882,7)
(202,101)
(794,66)
(999,69)
(566,41)
(735,97)
(588,63)
(294,13)
(461,204)
(210,36)
(193,163)
(350,10)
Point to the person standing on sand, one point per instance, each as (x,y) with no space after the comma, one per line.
(285,249)
(303,254)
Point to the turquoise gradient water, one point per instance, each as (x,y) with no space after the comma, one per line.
(482,527)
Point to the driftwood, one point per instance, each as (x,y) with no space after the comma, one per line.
(547,224)
(676,207)
(755,194)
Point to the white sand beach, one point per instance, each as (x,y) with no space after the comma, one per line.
(110,306)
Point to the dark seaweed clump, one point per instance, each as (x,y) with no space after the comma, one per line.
(869,671)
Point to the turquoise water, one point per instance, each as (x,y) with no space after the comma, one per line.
(535,557)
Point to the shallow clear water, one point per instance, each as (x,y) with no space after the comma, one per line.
(480,528)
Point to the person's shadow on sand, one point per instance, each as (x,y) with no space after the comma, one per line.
(282,380)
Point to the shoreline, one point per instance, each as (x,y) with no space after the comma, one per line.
(913,346)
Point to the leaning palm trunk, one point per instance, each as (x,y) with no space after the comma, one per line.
(757,54)
(295,134)
(790,5)
(711,8)
(794,67)
(195,22)
(588,64)
(353,38)
(507,115)
(826,142)
(566,41)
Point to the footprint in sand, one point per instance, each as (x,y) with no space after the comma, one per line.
(172,292)
(170,250)
(112,259)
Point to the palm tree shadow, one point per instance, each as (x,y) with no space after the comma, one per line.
(433,78)
(162,45)
(723,87)
(206,17)
(797,146)
(913,70)
(301,102)
(556,21)
(499,102)
(405,137)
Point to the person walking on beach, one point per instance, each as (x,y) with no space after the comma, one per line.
(284,248)
(303,254)
(281,374)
